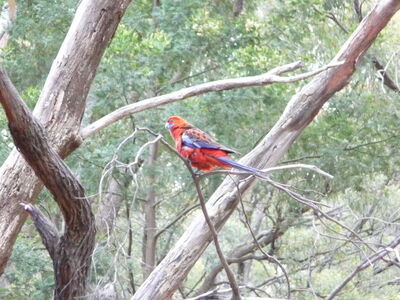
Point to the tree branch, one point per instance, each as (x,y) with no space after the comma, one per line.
(178,217)
(365,264)
(213,86)
(196,180)
(59,109)
(383,75)
(48,232)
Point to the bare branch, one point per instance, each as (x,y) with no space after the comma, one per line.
(381,70)
(59,109)
(178,217)
(302,166)
(48,232)
(384,76)
(270,257)
(300,111)
(365,264)
(228,271)
(213,86)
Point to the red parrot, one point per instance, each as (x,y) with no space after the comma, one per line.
(203,152)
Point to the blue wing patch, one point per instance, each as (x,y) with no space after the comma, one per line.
(196,138)
(194,142)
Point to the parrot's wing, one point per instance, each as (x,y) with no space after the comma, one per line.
(195,138)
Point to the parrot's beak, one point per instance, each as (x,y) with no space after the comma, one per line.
(169,125)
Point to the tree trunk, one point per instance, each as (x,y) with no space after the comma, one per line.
(300,111)
(59,109)
(109,207)
(71,254)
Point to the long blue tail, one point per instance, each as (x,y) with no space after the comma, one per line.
(236,165)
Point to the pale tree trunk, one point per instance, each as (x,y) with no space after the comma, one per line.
(59,109)
(7,18)
(109,206)
(150,225)
(300,111)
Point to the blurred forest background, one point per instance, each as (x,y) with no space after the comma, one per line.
(162,47)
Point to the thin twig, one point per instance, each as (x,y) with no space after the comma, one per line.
(228,271)
(367,262)
(270,257)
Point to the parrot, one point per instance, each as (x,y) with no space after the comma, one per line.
(203,152)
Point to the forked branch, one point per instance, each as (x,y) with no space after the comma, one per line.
(72,255)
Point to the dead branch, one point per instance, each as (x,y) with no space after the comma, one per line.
(228,271)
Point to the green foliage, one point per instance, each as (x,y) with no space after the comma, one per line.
(31,271)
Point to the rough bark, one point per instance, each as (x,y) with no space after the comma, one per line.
(300,111)
(59,109)
(71,254)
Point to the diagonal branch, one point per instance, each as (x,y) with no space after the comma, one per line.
(365,264)
(196,180)
(59,109)
(300,111)
(48,232)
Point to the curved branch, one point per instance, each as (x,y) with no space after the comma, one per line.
(59,109)
(213,86)
(365,264)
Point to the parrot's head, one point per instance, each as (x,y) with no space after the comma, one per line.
(175,122)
